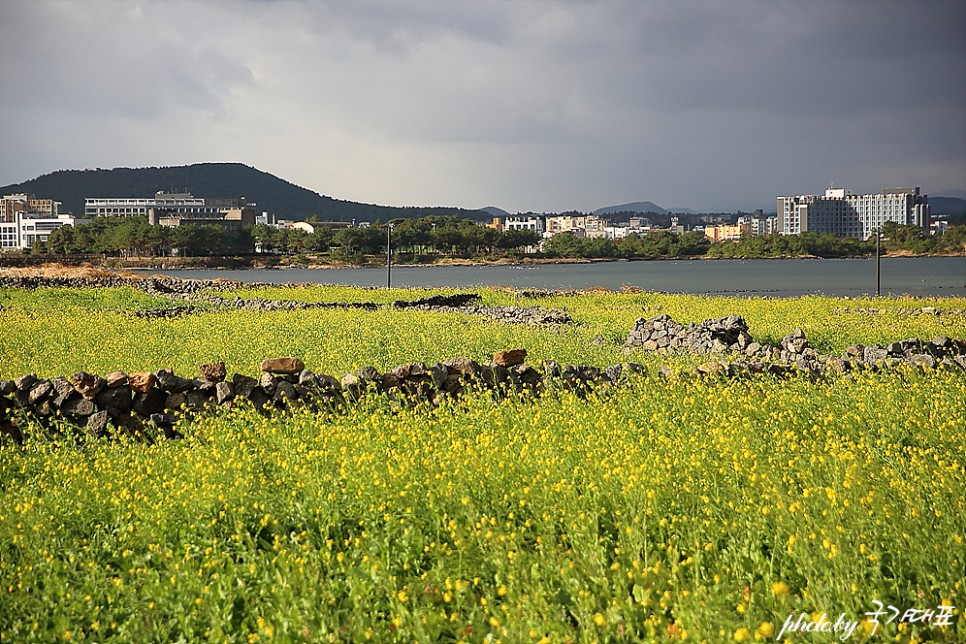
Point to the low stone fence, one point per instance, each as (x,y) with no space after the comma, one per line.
(192,296)
(155,285)
(729,338)
(148,405)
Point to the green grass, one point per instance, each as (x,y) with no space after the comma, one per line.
(710,509)
(56,331)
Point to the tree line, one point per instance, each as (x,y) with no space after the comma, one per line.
(662,243)
(455,236)
(448,235)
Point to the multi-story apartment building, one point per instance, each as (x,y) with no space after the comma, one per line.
(175,209)
(844,214)
(10,205)
(535,223)
(26,220)
(557,224)
(759,224)
(727,233)
(594,226)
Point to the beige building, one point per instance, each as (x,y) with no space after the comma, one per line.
(557,224)
(727,233)
(10,205)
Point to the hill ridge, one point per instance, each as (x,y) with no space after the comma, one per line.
(215,180)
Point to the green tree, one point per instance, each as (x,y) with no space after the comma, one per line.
(564,245)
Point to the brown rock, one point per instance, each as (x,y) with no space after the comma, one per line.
(86,384)
(213,371)
(463,366)
(713,368)
(510,357)
(116,379)
(142,381)
(288,364)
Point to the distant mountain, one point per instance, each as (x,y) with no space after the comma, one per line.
(637,206)
(493,211)
(685,211)
(955,193)
(215,181)
(947,205)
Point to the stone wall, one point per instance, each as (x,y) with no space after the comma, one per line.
(148,405)
(193,296)
(729,339)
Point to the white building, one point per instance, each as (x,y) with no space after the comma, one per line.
(525,222)
(26,220)
(136,207)
(170,209)
(29,228)
(617,231)
(844,214)
(760,224)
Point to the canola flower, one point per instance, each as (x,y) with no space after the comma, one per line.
(699,510)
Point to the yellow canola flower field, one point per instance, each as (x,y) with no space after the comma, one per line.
(665,510)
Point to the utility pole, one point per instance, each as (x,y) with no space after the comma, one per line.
(388,255)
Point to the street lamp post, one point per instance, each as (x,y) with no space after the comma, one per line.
(878,274)
(389,256)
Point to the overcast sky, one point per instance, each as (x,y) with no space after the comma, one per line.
(527,105)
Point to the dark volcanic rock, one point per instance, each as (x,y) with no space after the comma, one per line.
(117,398)
(171,383)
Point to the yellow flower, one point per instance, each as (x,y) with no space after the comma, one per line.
(766,629)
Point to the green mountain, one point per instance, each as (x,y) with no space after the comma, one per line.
(215,181)
(947,205)
(636,207)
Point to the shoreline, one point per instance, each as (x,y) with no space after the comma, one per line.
(277,263)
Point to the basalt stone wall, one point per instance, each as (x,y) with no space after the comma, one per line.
(729,338)
(154,285)
(148,405)
(190,296)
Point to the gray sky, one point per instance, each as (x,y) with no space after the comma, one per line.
(527,105)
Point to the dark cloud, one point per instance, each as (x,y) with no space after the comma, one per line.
(543,105)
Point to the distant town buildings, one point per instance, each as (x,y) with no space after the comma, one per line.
(727,233)
(536,223)
(841,213)
(26,220)
(754,225)
(175,209)
(760,224)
